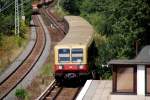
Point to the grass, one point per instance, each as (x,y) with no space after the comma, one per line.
(46,71)
(10,48)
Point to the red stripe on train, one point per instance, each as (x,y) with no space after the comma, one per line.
(71,68)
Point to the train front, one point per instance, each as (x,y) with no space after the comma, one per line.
(70,62)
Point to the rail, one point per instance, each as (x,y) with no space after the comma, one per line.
(53,20)
(54,92)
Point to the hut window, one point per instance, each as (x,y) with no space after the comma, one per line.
(125,79)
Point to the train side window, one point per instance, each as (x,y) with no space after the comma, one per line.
(64,55)
(77,55)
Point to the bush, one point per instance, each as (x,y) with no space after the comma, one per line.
(23,29)
(21,93)
(1,37)
(46,70)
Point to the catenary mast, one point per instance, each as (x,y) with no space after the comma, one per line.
(16,18)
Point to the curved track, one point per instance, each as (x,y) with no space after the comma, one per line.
(15,78)
(53,91)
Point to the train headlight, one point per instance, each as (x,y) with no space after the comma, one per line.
(81,66)
(60,67)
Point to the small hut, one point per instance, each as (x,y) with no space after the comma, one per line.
(132,76)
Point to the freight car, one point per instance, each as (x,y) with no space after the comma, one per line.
(35,8)
(39,4)
(72,53)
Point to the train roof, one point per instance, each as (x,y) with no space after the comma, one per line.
(80,32)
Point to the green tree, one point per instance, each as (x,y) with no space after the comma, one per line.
(122,22)
(71,6)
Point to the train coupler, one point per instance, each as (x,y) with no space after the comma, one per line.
(70,75)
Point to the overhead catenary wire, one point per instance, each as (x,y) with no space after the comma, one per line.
(17,19)
(17,15)
(7,6)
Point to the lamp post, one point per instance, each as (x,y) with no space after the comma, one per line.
(137,46)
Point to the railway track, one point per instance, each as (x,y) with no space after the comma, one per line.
(55,92)
(54,20)
(26,66)
(56,34)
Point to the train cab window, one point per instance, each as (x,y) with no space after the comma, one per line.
(77,55)
(64,55)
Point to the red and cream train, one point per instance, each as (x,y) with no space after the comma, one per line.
(72,54)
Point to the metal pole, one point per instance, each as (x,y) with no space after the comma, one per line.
(16,18)
(137,42)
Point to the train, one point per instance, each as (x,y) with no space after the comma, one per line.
(39,4)
(72,54)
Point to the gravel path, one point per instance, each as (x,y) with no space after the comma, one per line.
(37,67)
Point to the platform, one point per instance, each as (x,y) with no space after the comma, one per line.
(101,90)
(96,90)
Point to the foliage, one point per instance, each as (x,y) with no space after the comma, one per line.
(21,93)
(23,29)
(119,24)
(6,24)
(71,6)
(9,48)
(9,42)
(46,70)
(7,17)
(28,12)
(1,38)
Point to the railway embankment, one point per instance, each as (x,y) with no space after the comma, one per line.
(31,73)
(12,67)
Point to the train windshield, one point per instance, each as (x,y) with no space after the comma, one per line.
(77,55)
(64,55)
